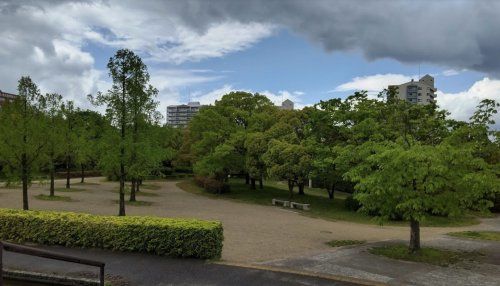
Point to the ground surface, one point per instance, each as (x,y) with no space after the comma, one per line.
(271,236)
(147,270)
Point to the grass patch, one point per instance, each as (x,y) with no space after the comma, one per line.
(321,206)
(136,203)
(432,256)
(150,187)
(53,198)
(484,235)
(139,194)
(338,243)
(86,184)
(71,190)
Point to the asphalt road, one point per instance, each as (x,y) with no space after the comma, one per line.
(142,269)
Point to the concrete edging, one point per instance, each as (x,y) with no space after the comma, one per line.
(306,273)
(48,279)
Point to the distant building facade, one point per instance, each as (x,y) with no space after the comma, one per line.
(4,97)
(180,115)
(417,92)
(287,105)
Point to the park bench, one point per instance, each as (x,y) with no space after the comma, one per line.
(295,205)
(280,202)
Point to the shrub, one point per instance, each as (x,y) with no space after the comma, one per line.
(351,203)
(160,236)
(211,185)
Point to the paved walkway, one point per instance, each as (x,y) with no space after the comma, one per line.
(141,269)
(358,262)
(252,233)
(268,237)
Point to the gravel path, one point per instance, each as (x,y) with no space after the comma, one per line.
(253,233)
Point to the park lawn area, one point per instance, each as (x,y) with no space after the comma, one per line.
(140,193)
(485,235)
(434,256)
(53,198)
(321,206)
(70,190)
(338,243)
(136,203)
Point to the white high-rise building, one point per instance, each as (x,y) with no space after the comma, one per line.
(418,92)
(180,115)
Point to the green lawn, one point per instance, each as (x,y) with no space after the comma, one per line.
(338,243)
(140,193)
(433,256)
(53,198)
(70,190)
(321,206)
(136,203)
(485,235)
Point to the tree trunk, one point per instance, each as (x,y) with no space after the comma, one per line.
(68,174)
(301,188)
(252,185)
(83,174)
(290,188)
(331,192)
(247,179)
(121,211)
(132,190)
(414,236)
(52,187)
(24,178)
(261,184)
(137,186)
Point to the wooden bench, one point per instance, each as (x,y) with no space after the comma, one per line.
(295,205)
(280,202)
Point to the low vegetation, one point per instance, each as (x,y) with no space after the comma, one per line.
(485,235)
(338,243)
(321,206)
(53,198)
(428,255)
(161,236)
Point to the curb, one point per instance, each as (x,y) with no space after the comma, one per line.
(338,278)
(48,279)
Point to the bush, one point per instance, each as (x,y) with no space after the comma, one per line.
(160,236)
(351,203)
(211,185)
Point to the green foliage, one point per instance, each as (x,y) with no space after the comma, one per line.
(421,180)
(53,198)
(351,203)
(486,235)
(23,135)
(433,256)
(338,243)
(160,236)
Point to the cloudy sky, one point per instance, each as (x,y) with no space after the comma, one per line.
(302,50)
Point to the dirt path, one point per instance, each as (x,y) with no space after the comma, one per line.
(252,232)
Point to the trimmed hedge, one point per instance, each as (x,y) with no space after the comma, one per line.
(161,236)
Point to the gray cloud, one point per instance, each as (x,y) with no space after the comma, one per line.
(457,34)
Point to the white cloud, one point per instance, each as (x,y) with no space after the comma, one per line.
(277,98)
(48,41)
(462,104)
(372,83)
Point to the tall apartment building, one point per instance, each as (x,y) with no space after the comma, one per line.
(287,105)
(180,115)
(4,97)
(418,92)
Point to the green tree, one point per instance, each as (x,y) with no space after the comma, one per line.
(70,137)
(421,180)
(53,150)
(22,134)
(290,162)
(127,71)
